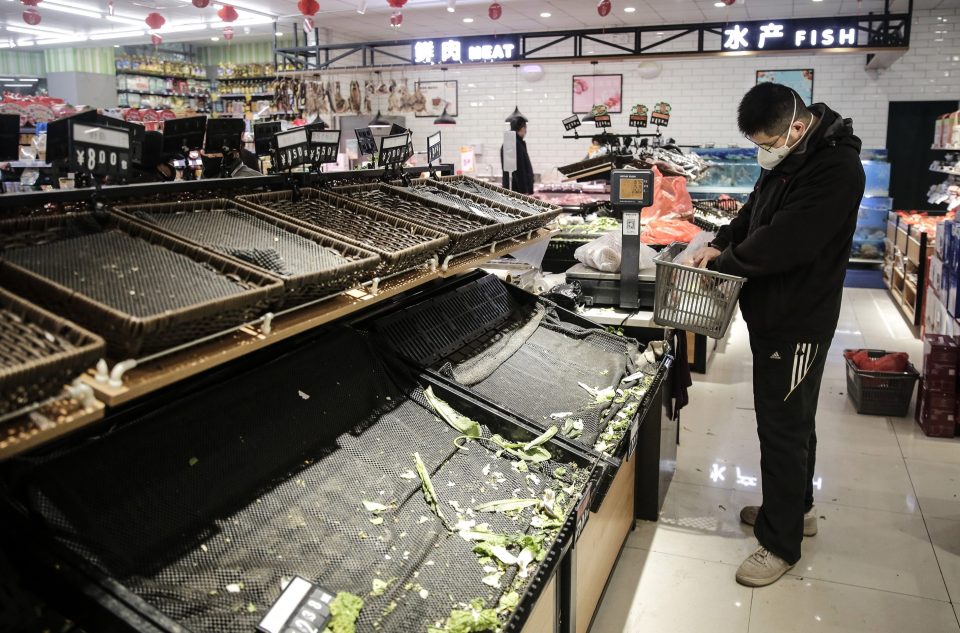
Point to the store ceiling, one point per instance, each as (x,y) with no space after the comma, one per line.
(87,23)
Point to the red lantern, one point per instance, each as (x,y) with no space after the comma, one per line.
(729,2)
(228,33)
(110,7)
(227,13)
(495,11)
(308,7)
(397,4)
(604,7)
(32,17)
(30,3)
(201,4)
(154,21)
(396,20)
(156,39)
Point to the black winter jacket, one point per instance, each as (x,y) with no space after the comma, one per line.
(792,238)
(523,177)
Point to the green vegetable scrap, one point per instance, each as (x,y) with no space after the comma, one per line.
(373,506)
(380,586)
(429,492)
(600,395)
(540,440)
(506,505)
(572,428)
(460,422)
(344,611)
(474,619)
(516,449)
(508,602)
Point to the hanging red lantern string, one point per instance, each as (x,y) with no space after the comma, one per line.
(308,25)
(227,13)
(201,4)
(604,7)
(228,33)
(154,20)
(397,4)
(495,11)
(30,3)
(110,7)
(308,7)
(396,20)
(32,17)
(156,39)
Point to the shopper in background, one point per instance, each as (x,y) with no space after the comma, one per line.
(522,179)
(792,242)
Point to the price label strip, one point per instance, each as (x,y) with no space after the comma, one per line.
(394,150)
(603,120)
(303,607)
(661,114)
(433,148)
(571,123)
(638,117)
(324,146)
(365,141)
(293,148)
(99,150)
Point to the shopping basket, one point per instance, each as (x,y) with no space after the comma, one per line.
(693,299)
(881,392)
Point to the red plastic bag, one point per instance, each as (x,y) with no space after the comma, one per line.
(895,362)
(670,198)
(666,232)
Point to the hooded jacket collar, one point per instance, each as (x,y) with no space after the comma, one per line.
(833,130)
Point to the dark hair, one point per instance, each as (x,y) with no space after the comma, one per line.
(767,108)
(518,123)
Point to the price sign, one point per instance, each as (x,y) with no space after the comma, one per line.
(661,114)
(583,508)
(99,150)
(638,117)
(365,141)
(433,148)
(634,436)
(394,150)
(571,123)
(303,607)
(324,146)
(293,148)
(603,120)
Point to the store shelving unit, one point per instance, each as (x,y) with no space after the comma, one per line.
(906,268)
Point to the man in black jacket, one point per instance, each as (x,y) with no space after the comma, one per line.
(791,241)
(522,181)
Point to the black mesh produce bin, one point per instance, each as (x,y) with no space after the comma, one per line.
(512,222)
(466,230)
(543,212)
(140,289)
(401,245)
(196,512)
(881,392)
(525,357)
(311,265)
(39,353)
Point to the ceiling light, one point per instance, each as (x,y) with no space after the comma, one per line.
(116,46)
(362,7)
(214,39)
(629,9)
(62,40)
(279,33)
(73,11)
(445,118)
(18,85)
(7,79)
(38,30)
(659,32)
(246,30)
(468,20)
(451,5)
(379,121)
(818,0)
(544,15)
(115,35)
(719,5)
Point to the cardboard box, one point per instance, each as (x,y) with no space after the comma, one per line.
(937,400)
(936,274)
(951,293)
(940,241)
(937,347)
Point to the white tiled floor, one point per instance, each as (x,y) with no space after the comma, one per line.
(887,558)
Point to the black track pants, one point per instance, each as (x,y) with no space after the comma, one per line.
(786,386)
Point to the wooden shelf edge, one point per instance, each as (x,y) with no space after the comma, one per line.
(21,434)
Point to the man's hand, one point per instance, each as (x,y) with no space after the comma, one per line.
(704,256)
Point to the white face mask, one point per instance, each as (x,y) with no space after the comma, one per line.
(770,158)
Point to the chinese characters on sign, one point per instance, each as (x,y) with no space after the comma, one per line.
(464,50)
(790,35)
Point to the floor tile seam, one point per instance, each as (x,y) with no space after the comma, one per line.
(851,584)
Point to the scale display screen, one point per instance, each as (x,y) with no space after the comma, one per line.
(631,188)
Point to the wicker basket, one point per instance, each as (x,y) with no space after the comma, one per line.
(224,293)
(349,266)
(40,353)
(400,244)
(466,230)
(542,212)
(512,222)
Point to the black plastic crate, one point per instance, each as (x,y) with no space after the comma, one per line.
(881,392)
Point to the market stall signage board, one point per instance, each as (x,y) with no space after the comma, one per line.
(292,148)
(571,123)
(638,117)
(394,150)
(303,607)
(365,141)
(790,35)
(466,50)
(99,150)
(324,146)
(433,148)
(603,120)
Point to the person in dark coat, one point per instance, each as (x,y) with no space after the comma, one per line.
(791,240)
(522,181)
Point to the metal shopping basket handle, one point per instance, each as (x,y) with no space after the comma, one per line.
(693,299)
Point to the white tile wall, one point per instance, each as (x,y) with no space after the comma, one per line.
(704,94)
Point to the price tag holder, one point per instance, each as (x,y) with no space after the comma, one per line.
(433,148)
(661,114)
(603,120)
(292,148)
(638,116)
(303,607)
(634,436)
(571,123)
(583,508)
(394,150)
(99,150)
(365,141)
(324,146)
